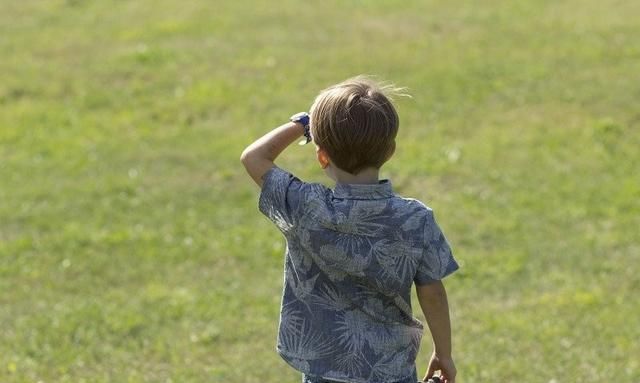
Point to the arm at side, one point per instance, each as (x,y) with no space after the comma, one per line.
(435,306)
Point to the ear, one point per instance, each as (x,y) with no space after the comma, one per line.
(323,157)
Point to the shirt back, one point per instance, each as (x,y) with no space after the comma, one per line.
(352,256)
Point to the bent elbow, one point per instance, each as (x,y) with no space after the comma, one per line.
(245,155)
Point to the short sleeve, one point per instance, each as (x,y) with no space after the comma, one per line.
(437,259)
(280,199)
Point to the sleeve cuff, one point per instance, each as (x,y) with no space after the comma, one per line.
(452,267)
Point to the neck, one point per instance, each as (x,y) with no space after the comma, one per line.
(366,176)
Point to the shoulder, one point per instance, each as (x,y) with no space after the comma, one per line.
(411,206)
(285,199)
(279,179)
(409,216)
(276,175)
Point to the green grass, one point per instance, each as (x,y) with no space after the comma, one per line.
(131,248)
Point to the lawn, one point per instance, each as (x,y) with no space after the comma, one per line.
(131,247)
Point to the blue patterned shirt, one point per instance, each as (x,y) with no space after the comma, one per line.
(352,256)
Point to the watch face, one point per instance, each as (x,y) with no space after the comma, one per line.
(298,116)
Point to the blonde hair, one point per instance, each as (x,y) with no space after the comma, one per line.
(356,123)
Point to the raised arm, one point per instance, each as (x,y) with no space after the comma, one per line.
(434,304)
(258,157)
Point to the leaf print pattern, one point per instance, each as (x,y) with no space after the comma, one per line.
(302,287)
(310,346)
(381,371)
(352,330)
(398,260)
(364,219)
(413,222)
(331,299)
(341,258)
(352,256)
(351,363)
(292,321)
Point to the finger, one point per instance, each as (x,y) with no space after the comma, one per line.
(430,372)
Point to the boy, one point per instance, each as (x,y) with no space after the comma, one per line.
(353,252)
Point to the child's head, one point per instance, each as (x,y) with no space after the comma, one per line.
(355,124)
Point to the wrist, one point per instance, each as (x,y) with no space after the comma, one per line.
(302,119)
(442,355)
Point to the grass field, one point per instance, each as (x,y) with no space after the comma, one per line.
(131,247)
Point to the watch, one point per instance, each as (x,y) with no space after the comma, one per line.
(303,118)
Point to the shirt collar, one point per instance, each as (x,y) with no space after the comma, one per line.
(382,189)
